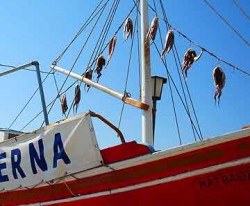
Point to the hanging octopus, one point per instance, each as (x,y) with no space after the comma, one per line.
(189,58)
(64,104)
(77,98)
(100,63)
(88,74)
(128,28)
(219,81)
(153,29)
(168,43)
(112,44)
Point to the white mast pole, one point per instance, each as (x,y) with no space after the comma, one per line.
(146,96)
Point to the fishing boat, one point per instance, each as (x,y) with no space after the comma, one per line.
(62,163)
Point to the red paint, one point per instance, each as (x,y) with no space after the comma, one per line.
(183,192)
(161,168)
(124,151)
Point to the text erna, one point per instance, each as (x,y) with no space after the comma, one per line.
(37,158)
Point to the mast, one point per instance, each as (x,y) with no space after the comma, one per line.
(146,96)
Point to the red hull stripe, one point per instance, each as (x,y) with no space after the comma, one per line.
(165,167)
(208,178)
(220,185)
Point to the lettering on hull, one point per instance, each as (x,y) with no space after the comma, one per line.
(225,179)
(36,156)
(64,148)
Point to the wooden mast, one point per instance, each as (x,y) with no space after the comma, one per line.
(146,96)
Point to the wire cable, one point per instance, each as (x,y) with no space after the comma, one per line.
(209,52)
(241,9)
(227,23)
(176,56)
(128,68)
(169,84)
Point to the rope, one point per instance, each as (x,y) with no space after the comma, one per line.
(49,105)
(114,34)
(102,37)
(106,26)
(71,192)
(53,102)
(209,52)
(242,10)
(32,70)
(5,65)
(138,51)
(227,23)
(176,56)
(176,89)
(204,49)
(128,69)
(25,106)
(93,15)
(169,85)
(78,56)
(88,21)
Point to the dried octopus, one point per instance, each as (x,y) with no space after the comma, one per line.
(112,44)
(168,43)
(153,29)
(128,28)
(100,63)
(77,98)
(219,81)
(88,74)
(64,104)
(189,58)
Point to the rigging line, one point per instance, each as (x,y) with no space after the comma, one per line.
(25,106)
(94,54)
(70,191)
(101,51)
(176,89)
(176,56)
(138,51)
(32,70)
(116,31)
(98,47)
(209,52)
(181,81)
(42,72)
(107,27)
(225,21)
(205,50)
(241,9)
(57,89)
(5,65)
(190,98)
(51,103)
(170,86)
(88,21)
(78,56)
(109,22)
(106,44)
(173,104)
(128,69)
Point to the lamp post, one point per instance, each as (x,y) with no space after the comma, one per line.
(157,84)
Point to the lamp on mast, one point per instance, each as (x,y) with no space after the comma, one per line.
(157,85)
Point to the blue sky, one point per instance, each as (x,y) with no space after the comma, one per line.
(40,30)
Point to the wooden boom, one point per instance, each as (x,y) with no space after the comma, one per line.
(107,90)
